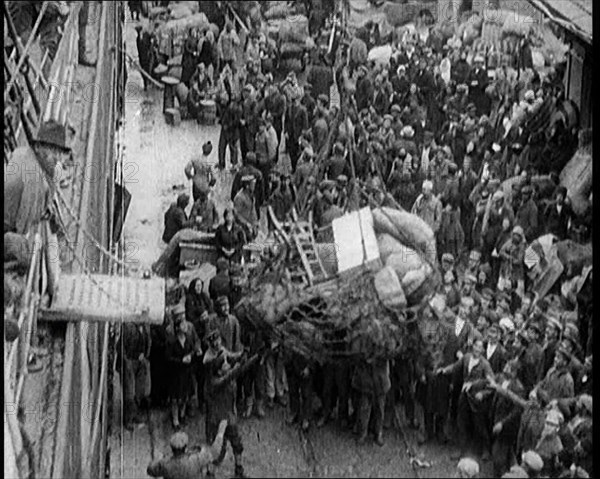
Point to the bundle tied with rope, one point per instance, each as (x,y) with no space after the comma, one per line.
(344,318)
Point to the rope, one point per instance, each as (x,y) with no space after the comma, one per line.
(80,226)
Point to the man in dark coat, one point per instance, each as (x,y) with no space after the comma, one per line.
(133,350)
(249,168)
(527,214)
(371,379)
(296,124)
(145,52)
(471,417)
(176,218)
(477,82)
(364,89)
(531,358)
(184,464)
(249,120)
(506,417)
(220,284)
(222,366)
(553,332)
(230,132)
(495,352)
(558,214)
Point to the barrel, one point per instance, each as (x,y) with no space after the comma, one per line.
(208,112)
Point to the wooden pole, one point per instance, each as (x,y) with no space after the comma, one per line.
(32,36)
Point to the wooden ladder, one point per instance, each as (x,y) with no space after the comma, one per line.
(304,239)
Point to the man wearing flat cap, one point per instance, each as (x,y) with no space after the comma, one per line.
(558,382)
(249,167)
(532,359)
(337,164)
(184,464)
(428,207)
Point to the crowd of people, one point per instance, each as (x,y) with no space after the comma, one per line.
(506,373)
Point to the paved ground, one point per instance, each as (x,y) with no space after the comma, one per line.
(155,157)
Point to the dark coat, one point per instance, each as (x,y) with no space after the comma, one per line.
(372,378)
(181,374)
(555,222)
(297,122)
(498,359)
(558,384)
(531,365)
(507,412)
(175,220)
(220,285)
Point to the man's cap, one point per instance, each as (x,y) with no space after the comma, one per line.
(555,417)
(468,467)
(527,190)
(448,258)
(178,309)
(478,58)
(342,179)
(470,277)
(428,185)
(495,326)
(179,440)
(326,184)
(248,178)
(507,325)
(475,254)
(471,106)
(223,300)
(518,230)
(207,148)
(407,131)
(452,167)
(487,293)
(396,108)
(388,117)
(324,98)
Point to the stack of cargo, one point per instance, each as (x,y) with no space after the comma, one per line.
(361,313)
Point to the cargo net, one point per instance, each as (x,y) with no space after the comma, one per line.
(338,320)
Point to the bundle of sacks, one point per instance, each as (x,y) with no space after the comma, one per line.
(407,250)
